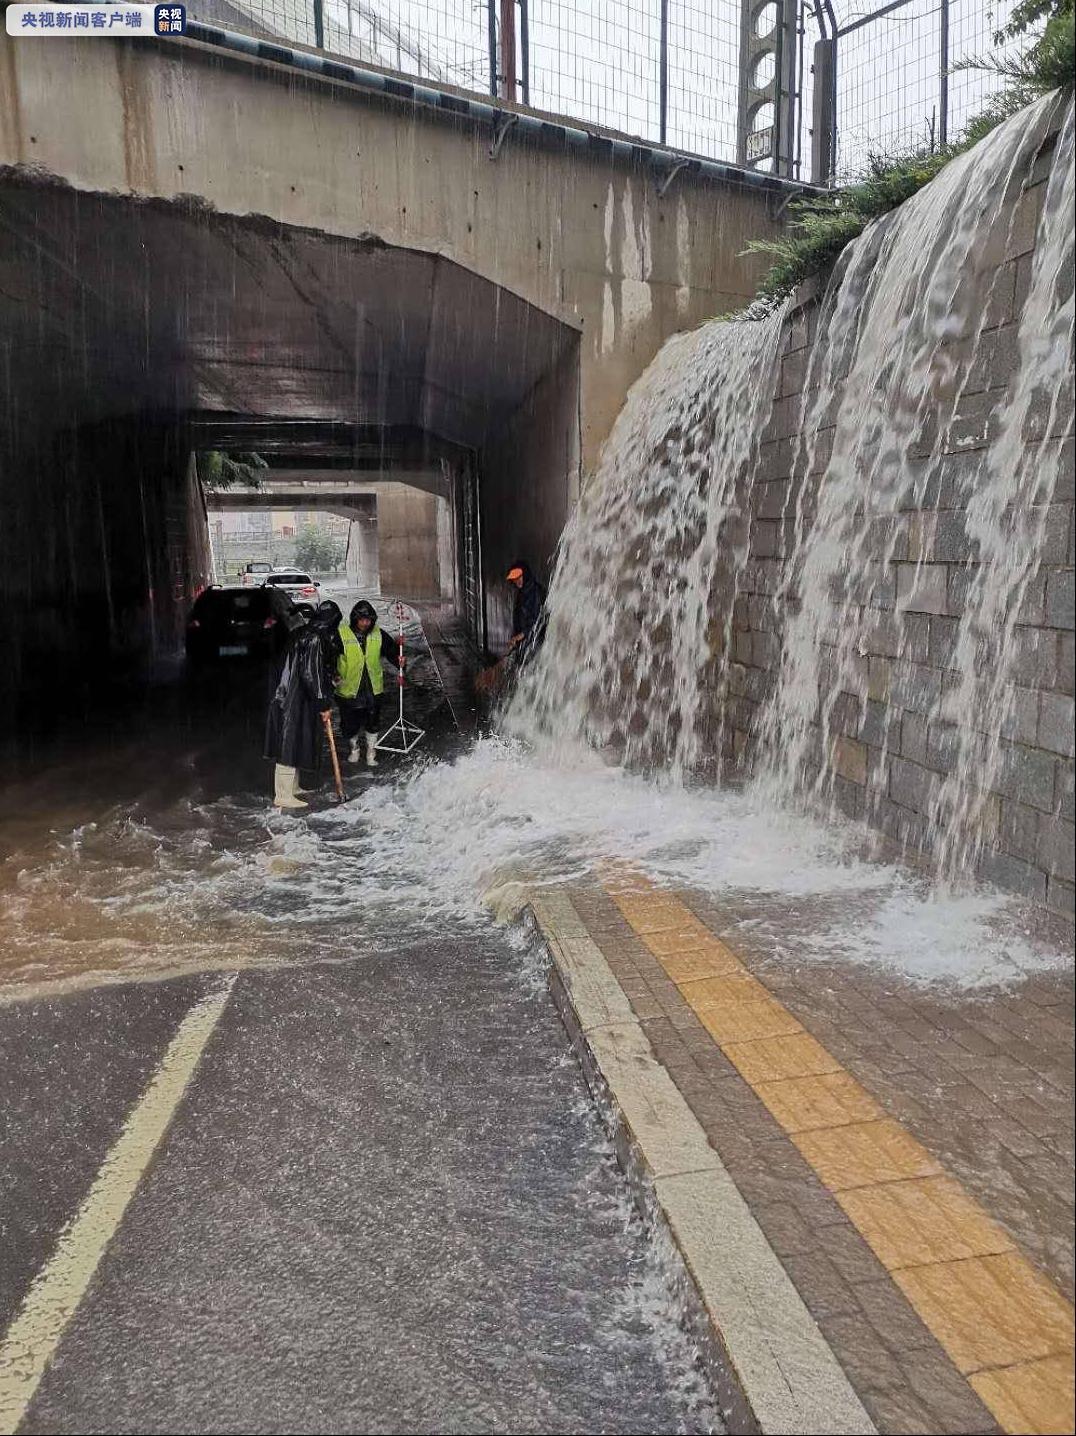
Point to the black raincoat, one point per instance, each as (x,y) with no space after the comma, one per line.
(293,728)
(528,611)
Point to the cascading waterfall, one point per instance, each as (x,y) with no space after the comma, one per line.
(1007,519)
(900,352)
(915,544)
(641,602)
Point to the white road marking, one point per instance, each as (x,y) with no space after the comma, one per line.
(61,1284)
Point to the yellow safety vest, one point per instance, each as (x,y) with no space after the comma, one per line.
(350,666)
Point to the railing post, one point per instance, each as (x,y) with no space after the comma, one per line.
(491,27)
(508,49)
(525,49)
(319,24)
(943,78)
(663,89)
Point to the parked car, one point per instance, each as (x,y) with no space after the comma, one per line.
(240,623)
(300,587)
(254,574)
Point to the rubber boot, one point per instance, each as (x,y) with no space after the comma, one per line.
(285,781)
(371,750)
(354,754)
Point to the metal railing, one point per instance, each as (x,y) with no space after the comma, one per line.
(802,88)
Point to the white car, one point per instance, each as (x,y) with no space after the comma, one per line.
(255,574)
(300,587)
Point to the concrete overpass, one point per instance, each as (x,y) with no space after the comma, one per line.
(196,240)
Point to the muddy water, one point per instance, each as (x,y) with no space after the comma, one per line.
(137,838)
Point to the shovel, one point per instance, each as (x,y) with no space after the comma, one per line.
(327,719)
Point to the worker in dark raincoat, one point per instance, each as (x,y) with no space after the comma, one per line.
(304,693)
(528,611)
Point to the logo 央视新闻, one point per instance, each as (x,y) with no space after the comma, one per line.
(169,19)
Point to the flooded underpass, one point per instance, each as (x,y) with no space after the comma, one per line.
(387,1200)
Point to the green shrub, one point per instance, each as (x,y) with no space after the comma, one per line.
(823,224)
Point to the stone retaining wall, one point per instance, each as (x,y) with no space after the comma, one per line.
(884,751)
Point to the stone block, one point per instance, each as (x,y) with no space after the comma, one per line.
(1014,875)
(916,638)
(880,671)
(997,354)
(1064,471)
(951,543)
(771,497)
(1000,301)
(766,650)
(793,372)
(1020,722)
(1028,775)
(850,759)
(882,633)
(1024,225)
(1056,852)
(1066,789)
(975,423)
(916,686)
(1034,657)
(1057,714)
(913,737)
(880,726)
(1060,896)
(1054,524)
(910,785)
(1060,599)
(766,539)
(921,588)
(1018,831)
(1032,608)
(1066,663)
(943,746)
(943,638)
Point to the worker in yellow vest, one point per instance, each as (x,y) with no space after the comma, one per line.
(360,679)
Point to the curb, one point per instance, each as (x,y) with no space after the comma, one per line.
(773,1369)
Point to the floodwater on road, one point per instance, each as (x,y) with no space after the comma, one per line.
(386,1201)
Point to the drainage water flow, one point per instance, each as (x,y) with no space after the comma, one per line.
(1008,518)
(640,607)
(877,635)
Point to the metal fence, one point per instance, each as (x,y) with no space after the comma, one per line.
(807,88)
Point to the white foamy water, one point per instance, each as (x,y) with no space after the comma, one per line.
(640,606)
(880,624)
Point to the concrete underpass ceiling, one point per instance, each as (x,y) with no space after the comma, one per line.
(111,306)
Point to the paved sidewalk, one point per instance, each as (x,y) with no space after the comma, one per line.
(908,1157)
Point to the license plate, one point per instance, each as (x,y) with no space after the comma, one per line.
(232,650)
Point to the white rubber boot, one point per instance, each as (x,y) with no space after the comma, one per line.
(285,781)
(354,753)
(371,750)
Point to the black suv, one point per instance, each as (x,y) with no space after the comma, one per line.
(240,623)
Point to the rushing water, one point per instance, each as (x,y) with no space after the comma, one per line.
(640,609)
(625,700)
(1008,516)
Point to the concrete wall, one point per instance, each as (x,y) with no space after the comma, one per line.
(583,237)
(407,541)
(103,547)
(1030,817)
(529,483)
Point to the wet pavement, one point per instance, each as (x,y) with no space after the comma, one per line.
(385,1200)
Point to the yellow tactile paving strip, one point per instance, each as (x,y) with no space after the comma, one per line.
(1001,1322)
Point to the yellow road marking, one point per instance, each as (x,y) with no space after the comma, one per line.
(1002,1323)
(59,1287)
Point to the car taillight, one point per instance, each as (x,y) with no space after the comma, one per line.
(270,622)
(309,591)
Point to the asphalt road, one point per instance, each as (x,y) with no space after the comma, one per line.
(384,1201)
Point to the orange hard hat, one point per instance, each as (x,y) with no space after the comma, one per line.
(514,573)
